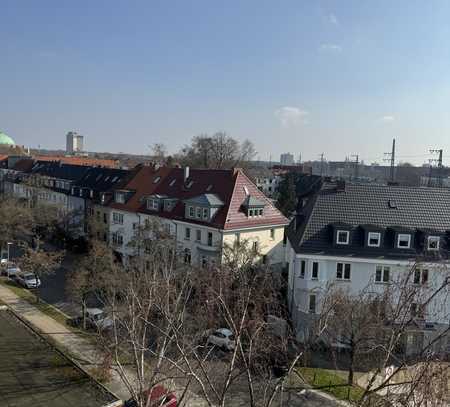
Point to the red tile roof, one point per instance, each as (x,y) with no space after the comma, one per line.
(86,161)
(228,185)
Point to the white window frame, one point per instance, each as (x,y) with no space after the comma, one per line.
(302,268)
(198,235)
(191,211)
(120,197)
(199,212)
(403,236)
(342,278)
(205,213)
(118,218)
(372,235)
(383,271)
(187,233)
(347,234)
(431,239)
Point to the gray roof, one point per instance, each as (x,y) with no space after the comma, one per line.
(252,201)
(206,200)
(360,205)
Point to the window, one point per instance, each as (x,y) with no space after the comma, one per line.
(105,218)
(417,310)
(135,225)
(382,274)
(255,247)
(272,234)
(374,239)
(191,212)
(199,213)
(315,270)
(153,204)
(433,242)
(205,213)
(198,235)
(312,304)
(210,239)
(260,212)
(156,180)
(187,256)
(420,276)
(238,238)
(404,241)
(120,197)
(302,268)
(343,271)
(187,234)
(250,213)
(117,239)
(172,183)
(118,218)
(343,237)
(167,228)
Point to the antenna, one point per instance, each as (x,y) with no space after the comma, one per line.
(439,166)
(391,158)
(356,163)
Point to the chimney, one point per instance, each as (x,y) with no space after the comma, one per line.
(186,173)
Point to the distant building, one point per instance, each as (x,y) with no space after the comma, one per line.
(287,159)
(74,142)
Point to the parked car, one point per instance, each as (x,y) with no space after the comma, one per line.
(157,396)
(95,318)
(12,269)
(28,280)
(223,338)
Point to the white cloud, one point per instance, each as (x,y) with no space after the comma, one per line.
(387,119)
(291,116)
(332,19)
(334,48)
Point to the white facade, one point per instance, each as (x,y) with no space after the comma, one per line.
(310,275)
(287,159)
(74,142)
(269,185)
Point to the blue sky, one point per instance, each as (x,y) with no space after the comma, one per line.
(338,77)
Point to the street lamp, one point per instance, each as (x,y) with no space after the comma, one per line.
(8,244)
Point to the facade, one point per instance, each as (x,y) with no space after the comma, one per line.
(266,179)
(287,159)
(74,142)
(359,236)
(202,209)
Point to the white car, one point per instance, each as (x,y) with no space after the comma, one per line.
(222,338)
(12,270)
(96,317)
(28,280)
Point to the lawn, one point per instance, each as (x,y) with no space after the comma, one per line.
(331,382)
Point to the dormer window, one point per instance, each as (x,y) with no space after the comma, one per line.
(205,213)
(342,237)
(199,213)
(153,204)
(404,241)
(433,243)
(191,212)
(119,197)
(373,239)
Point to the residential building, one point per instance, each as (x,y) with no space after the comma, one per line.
(265,179)
(203,209)
(74,142)
(79,160)
(358,236)
(287,159)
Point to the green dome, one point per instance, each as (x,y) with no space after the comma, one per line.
(4,139)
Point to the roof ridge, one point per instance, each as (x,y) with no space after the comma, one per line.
(235,175)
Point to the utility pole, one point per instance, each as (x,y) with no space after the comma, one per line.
(356,162)
(439,165)
(391,159)
(321,164)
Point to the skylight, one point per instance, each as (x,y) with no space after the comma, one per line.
(156,180)
(246,190)
(172,183)
(392,204)
(209,187)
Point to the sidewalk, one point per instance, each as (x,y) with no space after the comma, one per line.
(81,350)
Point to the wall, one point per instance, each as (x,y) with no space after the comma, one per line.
(273,248)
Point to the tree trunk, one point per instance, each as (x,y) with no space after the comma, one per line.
(350,367)
(83,313)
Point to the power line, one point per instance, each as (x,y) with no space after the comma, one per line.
(391,159)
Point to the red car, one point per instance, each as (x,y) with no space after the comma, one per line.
(157,396)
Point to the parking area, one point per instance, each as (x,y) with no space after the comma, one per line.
(34,374)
